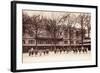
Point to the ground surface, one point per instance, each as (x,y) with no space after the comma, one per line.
(51,57)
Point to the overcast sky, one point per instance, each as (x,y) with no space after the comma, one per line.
(48,14)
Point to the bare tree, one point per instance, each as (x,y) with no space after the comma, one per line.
(36,26)
(87,19)
(84,20)
(70,21)
(32,25)
(53,27)
(26,24)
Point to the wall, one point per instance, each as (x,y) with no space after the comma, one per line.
(5,36)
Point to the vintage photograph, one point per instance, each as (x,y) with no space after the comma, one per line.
(54,36)
(48,36)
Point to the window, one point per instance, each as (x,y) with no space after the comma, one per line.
(72,42)
(31,41)
(65,42)
(23,41)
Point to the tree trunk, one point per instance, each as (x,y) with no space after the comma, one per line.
(82,32)
(54,40)
(88,33)
(36,37)
(69,37)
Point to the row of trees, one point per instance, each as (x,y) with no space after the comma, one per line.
(33,25)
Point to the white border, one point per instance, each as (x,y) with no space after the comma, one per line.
(21,66)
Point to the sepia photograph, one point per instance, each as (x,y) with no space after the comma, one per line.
(50,36)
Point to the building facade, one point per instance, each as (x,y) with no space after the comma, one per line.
(65,39)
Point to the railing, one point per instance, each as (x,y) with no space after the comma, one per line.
(56,44)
